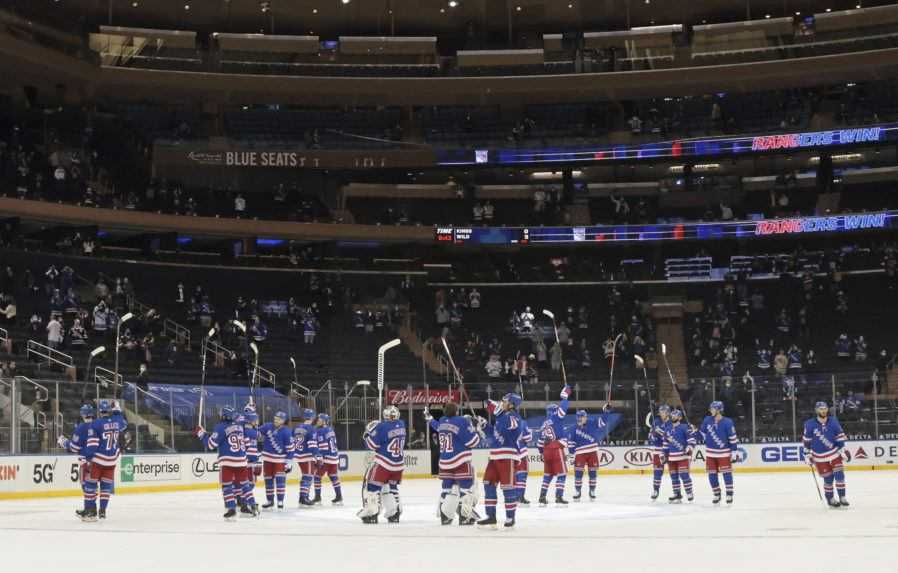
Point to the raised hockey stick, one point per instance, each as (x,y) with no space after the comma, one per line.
(672,379)
(557,341)
(611,373)
(201,414)
(458,377)
(640,363)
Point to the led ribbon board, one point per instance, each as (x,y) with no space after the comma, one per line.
(597,234)
(719,147)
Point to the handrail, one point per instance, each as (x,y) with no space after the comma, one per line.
(105,377)
(181,332)
(146,393)
(40,418)
(266,375)
(51,354)
(4,335)
(214,347)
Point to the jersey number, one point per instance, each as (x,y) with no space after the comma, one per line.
(396,447)
(235,442)
(446,443)
(111,439)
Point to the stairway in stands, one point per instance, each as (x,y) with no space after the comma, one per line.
(668,315)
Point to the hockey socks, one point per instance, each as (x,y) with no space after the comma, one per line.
(728,482)
(559,485)
(246,495)
(338,489)
(317,487)
(90,494)
(227,492)
(578,480)
(490,497)
(509,494)
(305,484)
(656,478)
(269,489)
(105,492)
(715,483)
(544,488)
(520,482)
(687,482)
(280,480)
(840,483)
(593,476)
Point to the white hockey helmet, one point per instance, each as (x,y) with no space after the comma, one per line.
(391,413)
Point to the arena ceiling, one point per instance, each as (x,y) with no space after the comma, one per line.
(487,19)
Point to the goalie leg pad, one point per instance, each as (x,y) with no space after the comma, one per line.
(371,505)
(450,502)
(390,500)
(468,502)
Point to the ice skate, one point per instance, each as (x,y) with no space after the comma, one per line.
(675,498)
(488,523)
(337,501)
(843,501)
(230,514)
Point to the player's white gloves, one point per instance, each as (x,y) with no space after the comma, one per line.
(199,432)
(734,457)
(481,422)
(61,441)
(565,392)
(427,415)
(370,427)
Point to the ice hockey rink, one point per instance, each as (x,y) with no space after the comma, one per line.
(776,524)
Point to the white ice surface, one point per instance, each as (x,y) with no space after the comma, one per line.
(777,524)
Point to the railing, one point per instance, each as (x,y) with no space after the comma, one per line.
(178,332)
(4,335)
(52,356)
(264,375)
(5,343)
(150,399)
(106,378)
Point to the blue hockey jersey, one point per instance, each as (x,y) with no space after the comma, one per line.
(326,439)
(585,439)
(657,433)
(229,440)
(823,440)
(79,439)
(251,439)
(457,436)
(504,436)
(679,442)
(387,441)
(719,437)
(524,441)
(103,440)
(305,443)
(277,443)
(553,429)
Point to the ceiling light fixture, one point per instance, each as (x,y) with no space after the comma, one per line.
(453,3)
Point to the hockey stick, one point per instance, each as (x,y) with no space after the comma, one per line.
(458,377)
(640,363)
(201,414)
(816,483)
(557,341)
(673,380)
(611,374)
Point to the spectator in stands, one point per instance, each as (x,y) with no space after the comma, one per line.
(143,378)
(77,335)
(258,331)
(309,328)
(860,349)
(494,367)
(146,344)
(527,319)
(635,125)
(54,332)
(172,352)
(564,334)
(843,347)
(100,319)
(781,363)
(239,205)
(35,325)
(7,310)
(790,391)
(477,214)
(489,212)
(88,247)
(795,358)
(474,299)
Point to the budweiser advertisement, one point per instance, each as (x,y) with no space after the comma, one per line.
(422,397)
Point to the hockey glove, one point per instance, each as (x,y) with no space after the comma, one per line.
(62,441)
(288,467)
(199,432)
(428,417)
(565,392)
(734,457)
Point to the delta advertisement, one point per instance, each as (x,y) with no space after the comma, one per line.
(57,476)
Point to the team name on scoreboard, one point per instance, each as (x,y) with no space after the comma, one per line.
(821,224)
(816,139)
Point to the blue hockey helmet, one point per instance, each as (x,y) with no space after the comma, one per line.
(281,415)
(250,418)
(676,413)
(325,418)
(86,411)
(716,405)
(103,406)
(664,409)
(582,414)
(308,414)
(821,406)
(513,399)
(552,410)
(227,414)
(240,419)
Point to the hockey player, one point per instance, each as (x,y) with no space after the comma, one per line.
(503,437)
(250,421)
(75,445)
(457,436)
(659,427)
(101,454)
(823,440)
(229,440)
(277,454)
(327,461)
(584,440)
(679,442)
(386,439)
(552,444)
(718,434)
(305,452)
(523,468)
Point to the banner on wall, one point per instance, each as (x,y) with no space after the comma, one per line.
(40,476)
(422,398)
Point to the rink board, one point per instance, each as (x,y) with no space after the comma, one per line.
(57,476)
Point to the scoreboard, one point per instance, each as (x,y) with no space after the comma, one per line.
(597,234)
